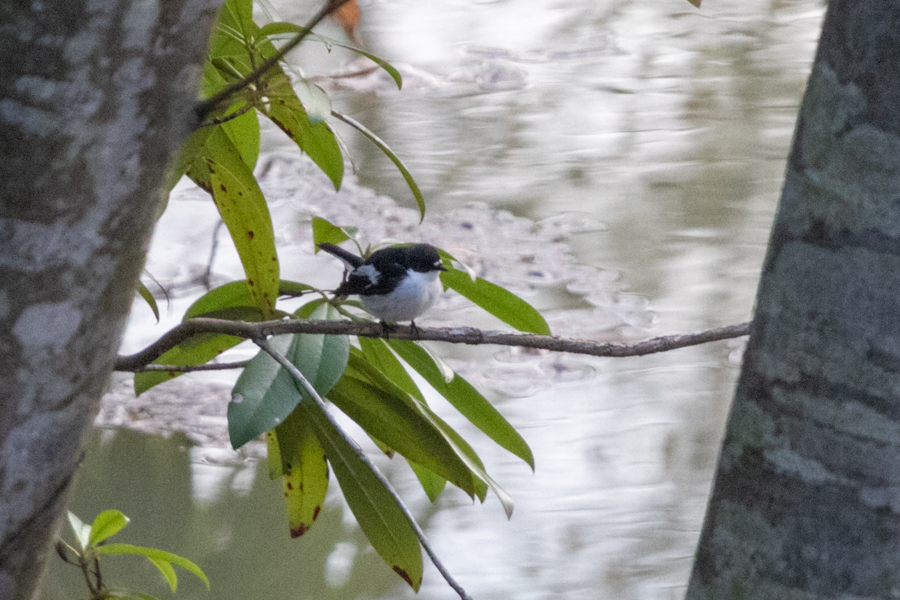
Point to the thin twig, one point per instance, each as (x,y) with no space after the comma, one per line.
(207,106)
(453,335)
(284,362)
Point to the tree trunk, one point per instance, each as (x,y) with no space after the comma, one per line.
(806,502)
(96,98)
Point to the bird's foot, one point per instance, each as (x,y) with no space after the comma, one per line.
(386,329)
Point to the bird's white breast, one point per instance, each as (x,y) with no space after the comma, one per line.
(415,294)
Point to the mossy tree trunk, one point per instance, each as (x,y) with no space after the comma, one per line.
(806,501)
(95,99)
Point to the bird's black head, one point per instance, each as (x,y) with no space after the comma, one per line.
(423,258)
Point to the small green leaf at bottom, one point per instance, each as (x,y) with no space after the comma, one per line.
(156,556)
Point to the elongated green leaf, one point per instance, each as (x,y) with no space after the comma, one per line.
(466,399)
(81,530)
(244,133)
(107,524)
(474,463)
(233,293)
(382,145)
(402,427)
(167,570)
(432,483)
(305,472)
(379,516)
(273,455)
(482,481)
(324,231)
(149,299)
(501,303)
(316,140)
(265,394)
(219,169)
(155,555)
(282,28)
(378,354)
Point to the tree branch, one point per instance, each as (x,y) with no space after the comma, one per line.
(453,335)
(204,108)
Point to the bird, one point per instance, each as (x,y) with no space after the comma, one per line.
(394,284)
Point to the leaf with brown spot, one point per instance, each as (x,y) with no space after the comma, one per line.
(218,165)
(305,475)
(380,517)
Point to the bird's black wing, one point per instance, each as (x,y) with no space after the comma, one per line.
(381,273)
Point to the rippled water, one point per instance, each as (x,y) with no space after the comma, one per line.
(618,164)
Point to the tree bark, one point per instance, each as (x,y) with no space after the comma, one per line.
(806,501)
(96,99)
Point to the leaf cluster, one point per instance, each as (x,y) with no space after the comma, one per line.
(91,544)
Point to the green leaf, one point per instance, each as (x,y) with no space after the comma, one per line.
(378,354)
(432,483)
(501,303)
(376,509)
(244,133)
(155,555)
(167,570)
(265,393)
(466,399)
(413,187)
(81,530)
(403,428)
(107,524)
(149,299)
(316,140)
(324,231)
(305,472)
(263,396)
(474,463)
(233,293)
(273,455)
(306,311)
(219,169)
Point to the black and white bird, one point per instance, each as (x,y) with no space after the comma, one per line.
(394,284)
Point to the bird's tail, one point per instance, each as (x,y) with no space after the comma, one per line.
(351,259)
